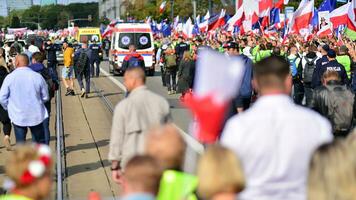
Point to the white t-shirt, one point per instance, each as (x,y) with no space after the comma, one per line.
(275,140)
(33,49)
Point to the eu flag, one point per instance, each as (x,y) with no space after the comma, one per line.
(327,5)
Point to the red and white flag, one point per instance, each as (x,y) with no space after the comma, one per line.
(302,17)
(236,20)
(264,7)
(188,29)
(351,21)
(325,31)
(219,22)
(339,16)
(162,7)
(214,87)
(203,27)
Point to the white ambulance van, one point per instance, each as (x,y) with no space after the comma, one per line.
(125,34)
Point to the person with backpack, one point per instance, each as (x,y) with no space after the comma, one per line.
(133,59)
(170,70)
(95,59)
(17,46)
(82,68)
(336,102)
(294,60)
(308,65)
(52,84)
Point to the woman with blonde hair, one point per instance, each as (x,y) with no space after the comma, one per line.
(29,171)
(332,173)
(220,174)
(186,73)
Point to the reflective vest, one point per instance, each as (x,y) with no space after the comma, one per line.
(177,185)
(13,197)
(345,61)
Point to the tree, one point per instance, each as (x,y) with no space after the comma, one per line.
(15,22)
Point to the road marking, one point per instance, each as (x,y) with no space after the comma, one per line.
(192,142)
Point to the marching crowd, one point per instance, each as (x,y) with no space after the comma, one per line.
(287,134)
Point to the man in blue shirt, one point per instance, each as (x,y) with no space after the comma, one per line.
(23,94)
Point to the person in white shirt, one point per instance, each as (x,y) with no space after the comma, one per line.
(275,138)
(32,48)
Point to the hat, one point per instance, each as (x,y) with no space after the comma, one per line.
(343,49)
(331,53)
(231,45)
(325,47)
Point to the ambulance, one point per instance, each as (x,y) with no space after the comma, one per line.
(125,34)
(88,35)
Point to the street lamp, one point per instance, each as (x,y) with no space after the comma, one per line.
(172,10)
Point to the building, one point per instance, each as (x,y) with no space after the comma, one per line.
(112,9)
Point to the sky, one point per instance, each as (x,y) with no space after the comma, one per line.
(37,2)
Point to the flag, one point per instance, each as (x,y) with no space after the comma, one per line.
(325,31)
(219,22)
(175,23)
(327,5)
(195,30)
(339,16)
(350,34)
(110,28)
(214,87)
(274,16)
(162,7)
(203,26)
(351,21)
(236,20)
(264,8)
(315,19)
(281,3)
(188,29)
(302,17)
(166,29)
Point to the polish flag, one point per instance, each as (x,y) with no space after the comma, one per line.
(219,22)
(188,29)
(339,16)
(281,3)
(203,27)
(325,31)
(236,20)
(162,7)
(302,17)
(264,7)
(351,21)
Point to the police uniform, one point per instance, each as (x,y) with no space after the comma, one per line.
(180,49)
(95,59)
(333,65)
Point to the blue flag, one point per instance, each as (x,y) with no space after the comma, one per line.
(274,16)
(327,5)
(166,30)
(315,19)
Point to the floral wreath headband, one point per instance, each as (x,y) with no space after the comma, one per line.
(37,168)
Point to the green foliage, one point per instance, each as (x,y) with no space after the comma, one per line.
(15,22)
(54,16)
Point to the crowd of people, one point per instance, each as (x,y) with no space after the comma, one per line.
(286,135)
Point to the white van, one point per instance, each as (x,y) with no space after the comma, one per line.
(125,34)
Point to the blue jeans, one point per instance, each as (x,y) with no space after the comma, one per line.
(37,133)
(47,134)
(95,61)
(86,74)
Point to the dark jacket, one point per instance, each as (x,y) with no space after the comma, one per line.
(185,75)
(125,63)
(335,66)
(246,85)
(3,113)
(51,52)
(324,98)
(316,82)
(87,51)
(95,49)
(180,49)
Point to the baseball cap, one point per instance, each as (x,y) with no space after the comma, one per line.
(331,53)
(325,47)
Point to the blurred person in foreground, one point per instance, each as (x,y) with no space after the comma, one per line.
(332,173)
(29,169)
(133,117)
(336,102)
(220,174)
(185,74)
(275,138)
(168,147)
(141,178)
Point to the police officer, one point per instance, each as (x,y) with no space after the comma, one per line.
(316,80)
(181,47)
(95,59)
(333,65)
(51,50)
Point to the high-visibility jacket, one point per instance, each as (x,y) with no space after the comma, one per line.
(345,61)
(176,185)
(13,197)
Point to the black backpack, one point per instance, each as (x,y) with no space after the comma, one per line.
(340,105)
(82,61)
(309,69)
(51,84)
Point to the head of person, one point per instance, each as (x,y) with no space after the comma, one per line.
(324,49)
(142,174)
(29,168)
(187,56)
(329,76)
(213,180)
(37,57)
(232,48)
(343,50)
(65,44)
(49,42)
(21,60)
(134,77)
(159,143)
(276,51)
(180,39)
(332,172)
(331,54)
(132,48)
(269,46)
(32,42)
(293,50)
(26,46)
(272,75)
(84,45)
